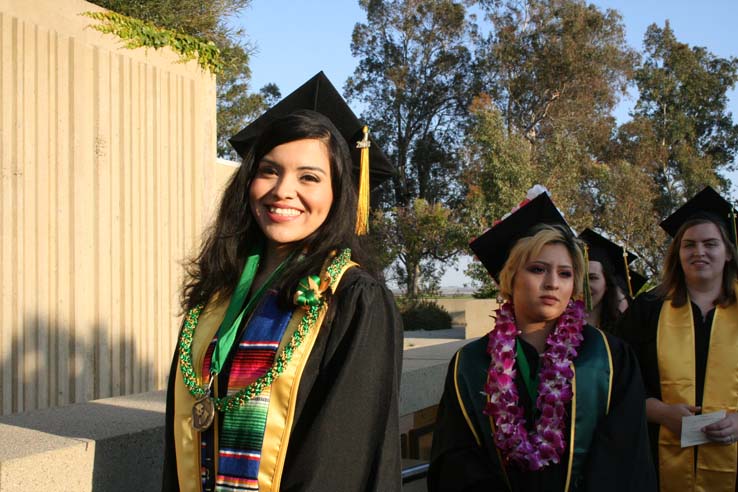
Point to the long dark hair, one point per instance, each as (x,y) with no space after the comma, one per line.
(609,312)
(673,284)
(217,268)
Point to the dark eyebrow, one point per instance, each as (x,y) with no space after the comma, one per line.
(313,168)
(300,168)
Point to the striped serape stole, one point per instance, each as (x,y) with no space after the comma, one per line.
(242,432)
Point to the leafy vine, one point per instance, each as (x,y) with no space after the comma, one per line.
(137,33)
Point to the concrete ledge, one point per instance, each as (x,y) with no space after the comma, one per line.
(113,444)
(423,374)
(473,314)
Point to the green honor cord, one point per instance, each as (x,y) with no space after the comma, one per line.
(236,309)
(530,385)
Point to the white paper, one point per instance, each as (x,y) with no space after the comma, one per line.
(691,433)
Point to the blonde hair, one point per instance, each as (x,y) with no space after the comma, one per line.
(531,246)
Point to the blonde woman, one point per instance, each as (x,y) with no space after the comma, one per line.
(513,416)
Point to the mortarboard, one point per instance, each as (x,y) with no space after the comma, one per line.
(706,204)
(601,249)
(319,95)
(493,247)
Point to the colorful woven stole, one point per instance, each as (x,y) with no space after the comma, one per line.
(240,439)
(716,463)
(194,450)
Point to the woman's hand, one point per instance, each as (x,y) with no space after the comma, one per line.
(669,415)
(723,431)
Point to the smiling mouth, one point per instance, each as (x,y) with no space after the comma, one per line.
(284,212)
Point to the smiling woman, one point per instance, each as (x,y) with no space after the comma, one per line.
(291,194)
(513,416)
(286,375)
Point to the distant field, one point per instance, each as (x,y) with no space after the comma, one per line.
(442,296)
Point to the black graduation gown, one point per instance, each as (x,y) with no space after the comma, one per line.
(345,434)
(618,459)
(639,327)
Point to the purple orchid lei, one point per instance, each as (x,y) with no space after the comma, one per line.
(546,444)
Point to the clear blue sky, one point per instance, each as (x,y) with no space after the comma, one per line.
(295,39)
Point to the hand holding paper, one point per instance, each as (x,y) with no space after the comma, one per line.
(692,434)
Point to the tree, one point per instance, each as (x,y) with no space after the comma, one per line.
(681,137)
(413,75)
(682,134)
(208,20)
(555,64)
(419,237)
(624,210)
(554,70)
(502,167)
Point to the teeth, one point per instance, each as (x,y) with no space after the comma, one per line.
(286,212)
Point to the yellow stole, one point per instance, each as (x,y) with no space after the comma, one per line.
(282,400)
(716,463)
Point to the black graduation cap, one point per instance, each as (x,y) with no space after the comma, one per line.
(601,249)
(493,247)
(318,94)
(706,204)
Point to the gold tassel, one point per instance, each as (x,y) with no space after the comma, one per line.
(627,272)
(587,291)
(362,211)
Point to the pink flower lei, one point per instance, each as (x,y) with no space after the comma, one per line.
(546,444)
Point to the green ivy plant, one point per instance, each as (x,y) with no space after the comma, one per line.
(137,34)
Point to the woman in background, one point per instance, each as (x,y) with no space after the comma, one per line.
(608,270)
(685,333)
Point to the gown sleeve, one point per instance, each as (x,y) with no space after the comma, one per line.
(170,481)
(458,463)
(346,430)
(638,327)
(620,457)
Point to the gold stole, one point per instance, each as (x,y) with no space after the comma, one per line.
(716,463)
(282,400)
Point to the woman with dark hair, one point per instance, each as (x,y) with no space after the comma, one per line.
(608,269)
(685,334)
(286,373)
(513,415)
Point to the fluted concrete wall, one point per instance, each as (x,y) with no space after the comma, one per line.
(108,176)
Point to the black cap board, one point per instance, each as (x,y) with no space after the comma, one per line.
(706,204)
(319,95)
(493,247)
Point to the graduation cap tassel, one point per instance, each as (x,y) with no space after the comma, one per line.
(732,221)
(627,271)
(362,212)
(587,292)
